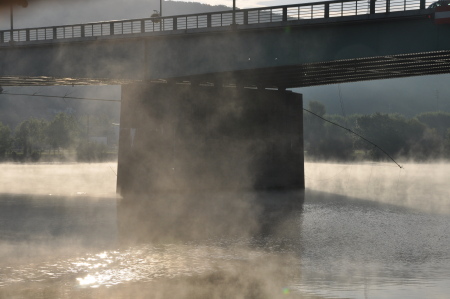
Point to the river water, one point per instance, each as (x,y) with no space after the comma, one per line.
(365,231)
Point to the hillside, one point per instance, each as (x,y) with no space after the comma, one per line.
(52,12)
(407,96)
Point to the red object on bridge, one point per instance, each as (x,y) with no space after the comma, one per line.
(442,15)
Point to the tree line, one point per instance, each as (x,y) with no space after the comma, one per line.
(65,137)
(423,137)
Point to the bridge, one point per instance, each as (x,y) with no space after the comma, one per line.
(204,100)
(271,47)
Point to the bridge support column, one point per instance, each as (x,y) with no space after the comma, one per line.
(177,140)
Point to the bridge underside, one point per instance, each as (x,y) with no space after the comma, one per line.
(311,74)
(340,71)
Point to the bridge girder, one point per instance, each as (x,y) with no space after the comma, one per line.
(277,56)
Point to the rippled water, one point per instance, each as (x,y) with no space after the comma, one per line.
(354,249)
(340,246)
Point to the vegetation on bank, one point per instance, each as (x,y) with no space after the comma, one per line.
(423,137)
(62,138)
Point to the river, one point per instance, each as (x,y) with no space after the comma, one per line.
(367,230)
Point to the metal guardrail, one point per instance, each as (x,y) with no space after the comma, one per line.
(286,13)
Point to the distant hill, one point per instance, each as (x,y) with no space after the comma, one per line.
(60,12)
(407,96)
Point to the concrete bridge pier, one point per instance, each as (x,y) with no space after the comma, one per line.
(195,160)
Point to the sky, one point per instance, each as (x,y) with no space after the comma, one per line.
(50,12)
(252,3)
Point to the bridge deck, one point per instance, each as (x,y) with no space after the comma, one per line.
(305,12)
(306,15)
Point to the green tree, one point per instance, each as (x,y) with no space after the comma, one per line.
(440,121)
(98,125)
(324,140)
(447,145)
(91,152)
(393,133)
(63,131)
(430,146)
(317,107)
(337,143)
(5,140)
(313,128)
(30,136)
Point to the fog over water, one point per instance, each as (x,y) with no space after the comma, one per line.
(367,230)
(421,186)
(60,179)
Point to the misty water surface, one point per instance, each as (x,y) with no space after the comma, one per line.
(366,231)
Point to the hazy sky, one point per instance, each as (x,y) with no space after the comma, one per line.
(58,12)
(252,3)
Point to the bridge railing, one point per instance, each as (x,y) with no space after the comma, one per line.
(286,13)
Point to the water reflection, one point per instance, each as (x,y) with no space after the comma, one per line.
(76,260)
(337,247)
(196,268)
(176,217)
